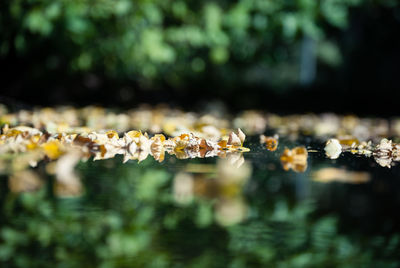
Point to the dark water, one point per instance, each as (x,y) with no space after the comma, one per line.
(342,212)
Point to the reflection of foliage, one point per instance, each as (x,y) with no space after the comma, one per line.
(165,39)
(289,239)
(128,218)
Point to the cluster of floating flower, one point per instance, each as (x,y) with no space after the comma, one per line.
(201,135)
(174,122)
(385,153)
(134,145)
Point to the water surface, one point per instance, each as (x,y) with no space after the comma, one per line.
(208,213)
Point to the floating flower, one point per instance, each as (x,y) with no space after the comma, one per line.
(134,145)
(236,139)
(384,153)
(271,143)
(157,147)
(333,148)
(53,149)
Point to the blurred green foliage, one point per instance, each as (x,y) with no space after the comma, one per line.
(170,41)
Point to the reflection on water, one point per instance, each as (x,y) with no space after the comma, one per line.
(295,159)
(223,187)
(340,175)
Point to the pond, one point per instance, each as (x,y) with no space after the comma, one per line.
(208,212)
(87,188)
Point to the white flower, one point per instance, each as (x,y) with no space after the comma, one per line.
(333,149)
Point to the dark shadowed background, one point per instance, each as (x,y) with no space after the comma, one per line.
(282,56)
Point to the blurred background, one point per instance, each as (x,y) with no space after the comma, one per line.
(282,56)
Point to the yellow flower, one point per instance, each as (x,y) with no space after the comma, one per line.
(53,149)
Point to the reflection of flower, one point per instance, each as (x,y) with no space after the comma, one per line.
(295,159)
(24,181)
(225,188)
(235,159)
(183,188)
(230,211)
(340,175)
(229,172)
(67,181)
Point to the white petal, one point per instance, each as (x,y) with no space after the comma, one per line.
(241,135)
